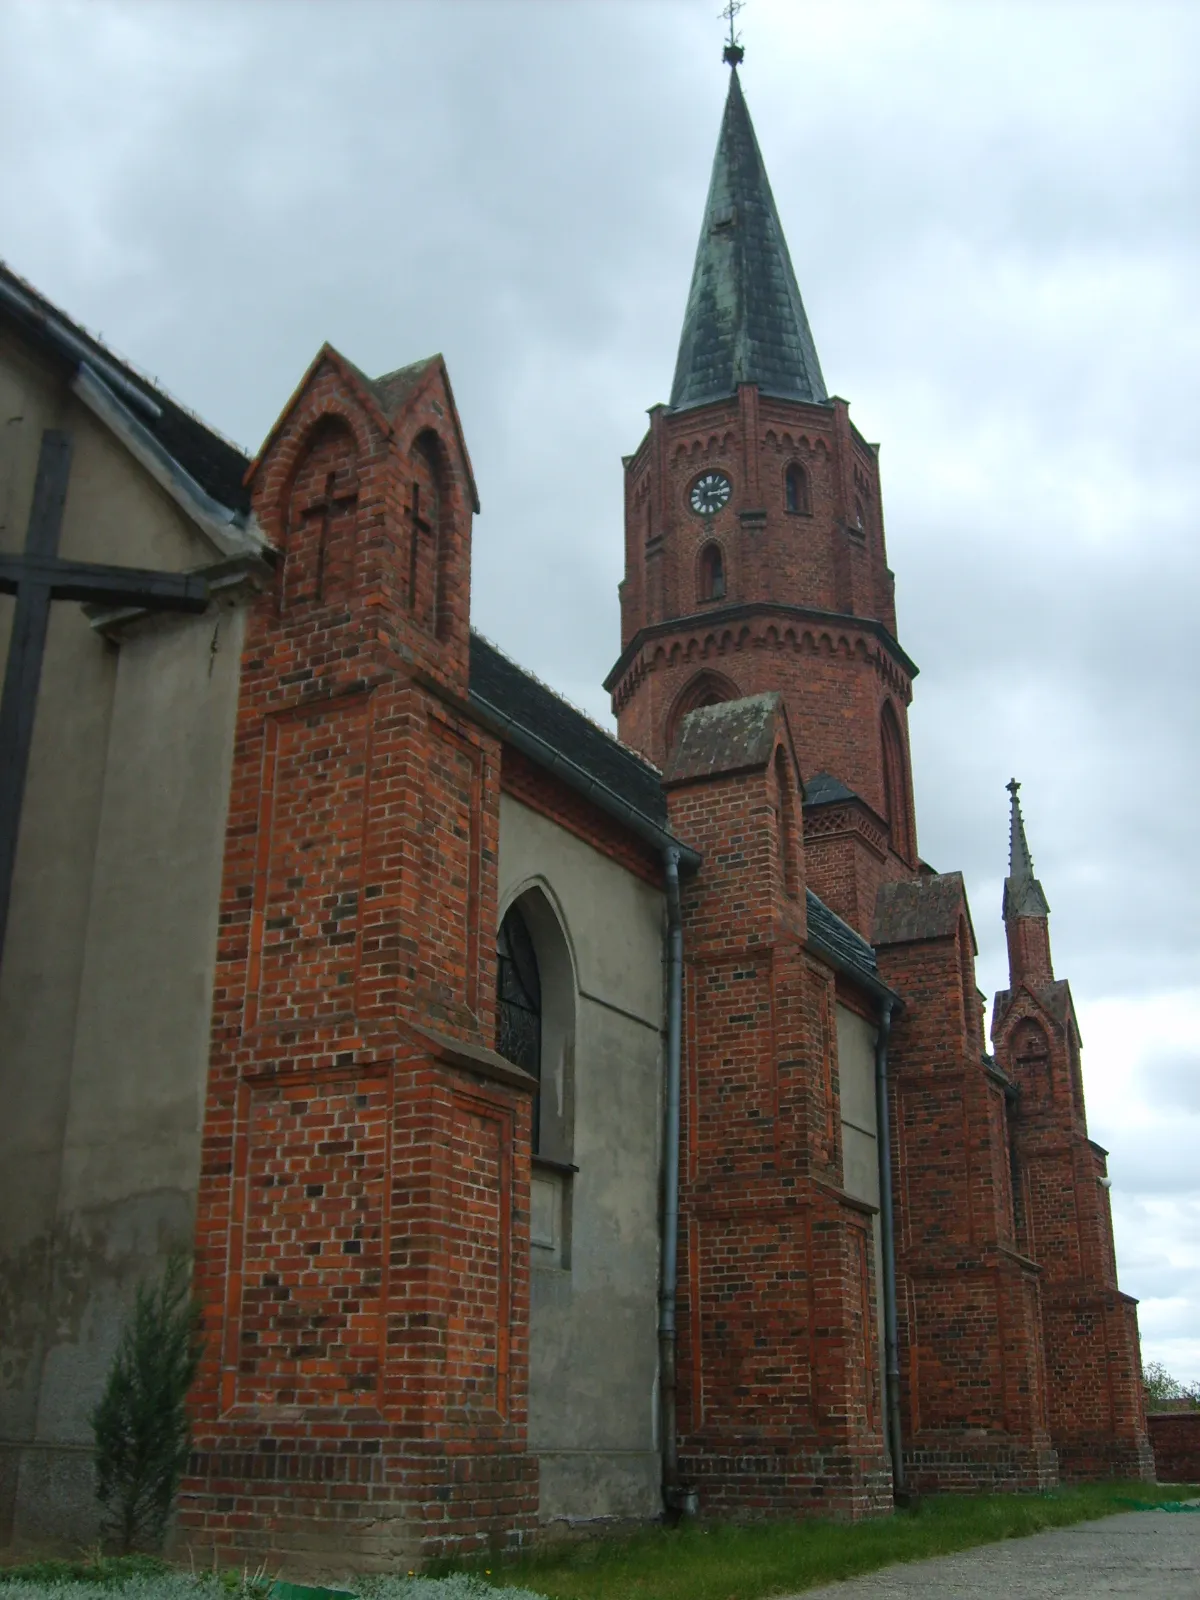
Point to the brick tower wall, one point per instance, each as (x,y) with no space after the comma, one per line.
(973,1379)
(1097,1414)
(779,1395)
(362,1239)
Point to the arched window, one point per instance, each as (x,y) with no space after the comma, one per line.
(519,1004)
(895,783)
(321,514)
(712,573)
(795,490)
(535,1015)
(860,518)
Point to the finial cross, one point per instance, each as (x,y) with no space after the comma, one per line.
(1012,786)
(733,46)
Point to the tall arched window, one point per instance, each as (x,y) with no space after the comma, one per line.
(712,573)
(519,1004)
(970,998)
(795,490)
(895,783)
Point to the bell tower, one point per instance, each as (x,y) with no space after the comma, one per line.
(754,542)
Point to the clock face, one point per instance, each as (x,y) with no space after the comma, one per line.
(710,492)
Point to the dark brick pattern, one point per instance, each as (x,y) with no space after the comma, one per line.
(362,1242)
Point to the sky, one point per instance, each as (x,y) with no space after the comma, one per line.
(993,211)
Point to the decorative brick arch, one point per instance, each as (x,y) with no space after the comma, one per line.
(318,515)
(430,530)
(707,688)
(895,781)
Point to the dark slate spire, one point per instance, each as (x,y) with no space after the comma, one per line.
(1023,895)
(745,320)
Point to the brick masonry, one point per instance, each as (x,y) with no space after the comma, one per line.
(362,1242)
(1175,1436)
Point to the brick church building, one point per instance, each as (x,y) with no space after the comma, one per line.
(581,1127)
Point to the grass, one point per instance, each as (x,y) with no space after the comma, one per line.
(724,1562)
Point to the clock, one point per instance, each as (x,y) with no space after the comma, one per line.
(709,493)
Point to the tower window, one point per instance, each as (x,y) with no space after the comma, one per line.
(712,573)
(895,784)
(795,491)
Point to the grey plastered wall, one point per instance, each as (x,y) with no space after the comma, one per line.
(860,1160)
(593,1345)
(106,982)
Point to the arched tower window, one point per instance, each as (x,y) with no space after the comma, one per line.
(795,490)
(712,573)
(786,817)
(1030,1052)
(895,783)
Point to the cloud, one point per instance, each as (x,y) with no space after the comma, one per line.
(993,215)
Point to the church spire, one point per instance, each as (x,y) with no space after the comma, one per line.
(745,321)
(1026,914)
(1023,895)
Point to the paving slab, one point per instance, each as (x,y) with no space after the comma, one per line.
(1147,1553)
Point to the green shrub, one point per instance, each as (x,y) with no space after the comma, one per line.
(141,1425)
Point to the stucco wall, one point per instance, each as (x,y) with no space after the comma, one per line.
(860,1162)
(593,1349)
(105,987)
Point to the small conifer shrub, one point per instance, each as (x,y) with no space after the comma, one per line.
(141,1426)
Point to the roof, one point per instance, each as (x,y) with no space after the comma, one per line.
(745,321)
(504,687)
(853,952)
(729,737)
(216,465)
(921,908)
(823,789)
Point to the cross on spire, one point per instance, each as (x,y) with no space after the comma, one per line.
(733,53)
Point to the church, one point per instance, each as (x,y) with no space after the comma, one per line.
(565,1128)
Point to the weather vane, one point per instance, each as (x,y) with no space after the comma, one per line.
(733,52)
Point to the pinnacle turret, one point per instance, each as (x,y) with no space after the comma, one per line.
(1023,895)
(745,321)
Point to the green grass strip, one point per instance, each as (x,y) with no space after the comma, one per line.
(725,1562)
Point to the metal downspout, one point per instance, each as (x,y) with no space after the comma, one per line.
(672,1497)
(887,1225)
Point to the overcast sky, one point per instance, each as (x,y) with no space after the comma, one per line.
(993,211)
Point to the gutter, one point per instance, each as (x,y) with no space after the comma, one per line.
(883,1145)
(675,1499)
(539,750)
(75,349)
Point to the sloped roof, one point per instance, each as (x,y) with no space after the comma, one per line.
(839,938)
(823,789)
(500,684)
(733,736)
(745,321)
(216,465)
(925,908)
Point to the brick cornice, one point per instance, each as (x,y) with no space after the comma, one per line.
(712,632)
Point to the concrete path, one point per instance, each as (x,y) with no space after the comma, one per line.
(1155,1554)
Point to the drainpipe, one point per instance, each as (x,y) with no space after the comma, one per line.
(887,1225)
(673,1498)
